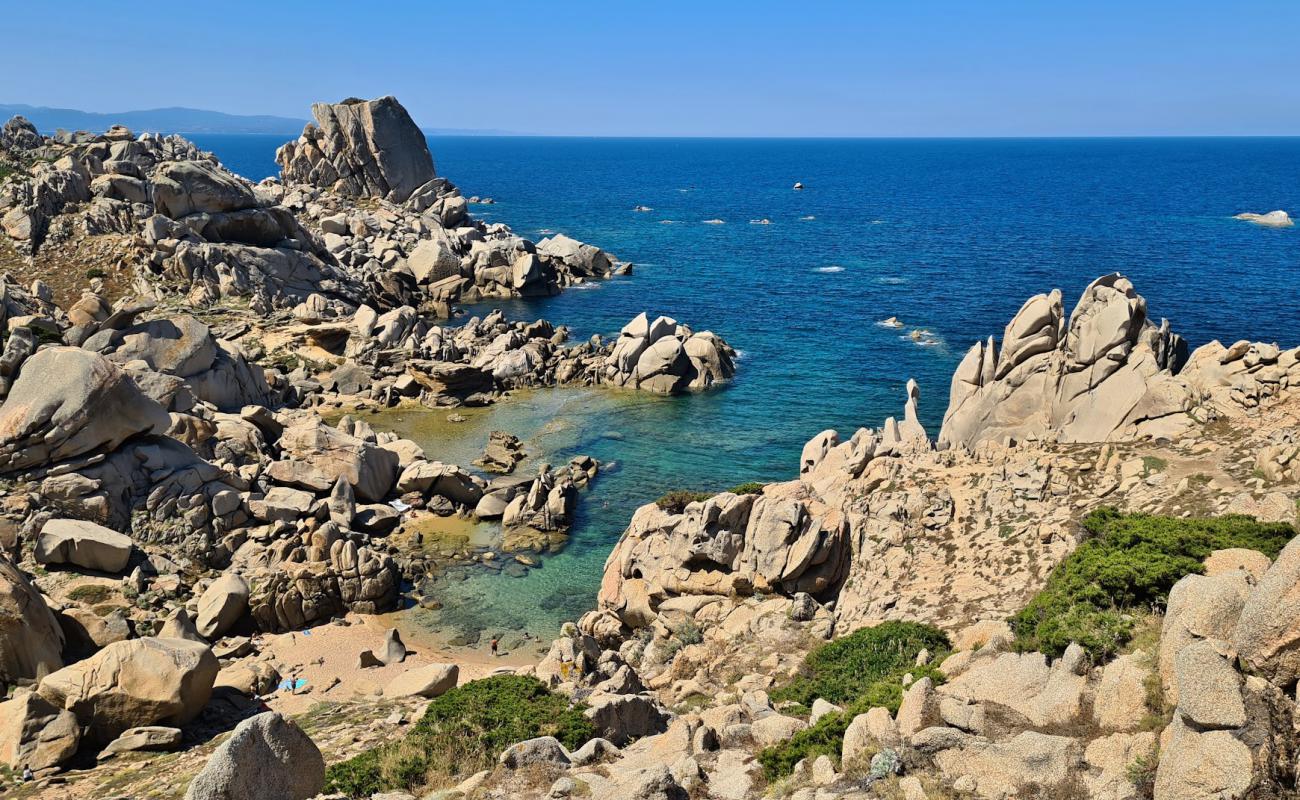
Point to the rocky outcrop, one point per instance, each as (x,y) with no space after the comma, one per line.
(267,756)
(360,148)
(1103,373)
(31,640)
(133,683)
(783,541)
(293,595)
(1273,219)
(1107,373)
(665,357)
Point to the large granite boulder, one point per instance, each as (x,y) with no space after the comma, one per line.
(1267,634)
(180,345)
(133,683)
(316,456)
(69,402)
(1106,373)
(268,757)
(31,641)
(36,734)
(83,544)
(181,188)
(360,148)
(222,604)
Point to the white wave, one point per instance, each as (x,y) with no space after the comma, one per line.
(831,268)
(580,286)
(891,280)
(667,222)
(714,222)
(763,221)
(808,217)
(739,353)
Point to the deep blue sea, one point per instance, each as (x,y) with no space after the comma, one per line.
(950,236)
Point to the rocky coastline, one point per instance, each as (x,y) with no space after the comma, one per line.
(184,535)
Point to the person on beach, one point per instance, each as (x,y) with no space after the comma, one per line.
(494,646)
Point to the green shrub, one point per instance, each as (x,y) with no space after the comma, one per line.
(676,501)
(96,272)
(91,593)
(748,487)
(463,731)
(1126,566)
(858,672)
(842,670)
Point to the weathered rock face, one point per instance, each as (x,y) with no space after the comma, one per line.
(296,594)
(69,402)
(729,544)
(1103,374)
(30,638)
(665,357)
(133,683)
(360,149)
(1267,634)
(267,756)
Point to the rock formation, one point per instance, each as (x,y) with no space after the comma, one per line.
(1107,373)
(360,148)
(665,357)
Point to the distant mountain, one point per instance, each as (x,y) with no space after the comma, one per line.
(182,120)
(159,120)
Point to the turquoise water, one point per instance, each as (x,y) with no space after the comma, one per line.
(948,235)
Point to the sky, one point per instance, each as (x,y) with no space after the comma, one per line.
(669,68)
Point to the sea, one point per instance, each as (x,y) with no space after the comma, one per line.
(949,236)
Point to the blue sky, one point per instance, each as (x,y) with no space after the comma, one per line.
(755,68)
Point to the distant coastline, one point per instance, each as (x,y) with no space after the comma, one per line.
(187,121)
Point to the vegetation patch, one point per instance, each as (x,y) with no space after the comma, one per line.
(676,501)
(1125,568)
(748,487)
(91,593)
(462,732)
(858,672)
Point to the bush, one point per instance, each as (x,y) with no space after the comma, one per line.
(676,501)
(859,672)
(1127,565)
(96,272)
(463,731)
(749,487)
(843,670)
(91,593)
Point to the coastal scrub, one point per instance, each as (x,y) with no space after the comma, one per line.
(463,731)
(1126,566)
(861,671)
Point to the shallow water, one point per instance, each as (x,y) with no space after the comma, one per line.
(950,236)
